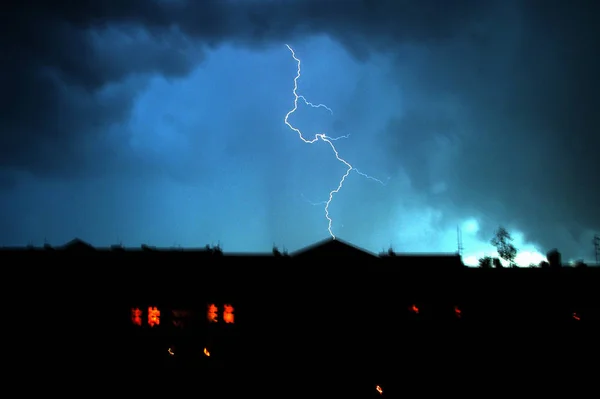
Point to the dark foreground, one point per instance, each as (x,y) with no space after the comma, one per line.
(435,359)
(304,333)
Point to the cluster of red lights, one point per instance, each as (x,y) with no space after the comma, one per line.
(214,315)
(153,315)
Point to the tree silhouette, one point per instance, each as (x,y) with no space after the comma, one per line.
(485,262)
(214,249)
(544,265)
(497,264)
(278,253)
(391,251)
(503,242)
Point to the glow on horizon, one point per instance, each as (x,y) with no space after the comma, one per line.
(527,253)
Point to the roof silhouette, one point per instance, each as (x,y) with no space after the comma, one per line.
(78,245)
(334,247)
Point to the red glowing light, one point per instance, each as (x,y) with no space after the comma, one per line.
(228,316)
(136,316)
(212,313)
(153,316)
(457,311)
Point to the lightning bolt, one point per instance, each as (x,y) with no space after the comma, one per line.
(321,137)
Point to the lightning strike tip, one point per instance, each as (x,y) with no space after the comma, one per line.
(320,137)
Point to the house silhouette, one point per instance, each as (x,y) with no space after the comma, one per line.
(331,247)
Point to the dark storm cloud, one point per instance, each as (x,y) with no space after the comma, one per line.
(54,68)
(523,76)
(530,157)
(7,180)
(57,55)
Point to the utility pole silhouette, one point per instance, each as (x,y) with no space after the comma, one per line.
(459,241)
(597,246)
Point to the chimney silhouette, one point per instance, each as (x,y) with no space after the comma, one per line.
(554,258)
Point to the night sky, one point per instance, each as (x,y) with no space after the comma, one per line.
(162,122)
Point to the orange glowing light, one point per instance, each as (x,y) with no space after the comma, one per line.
(457,312)
(153,316)
(228,316)
(576,317)
(378,388)
(136,316)
(212,313)
(170,352)
(206,352)
(414,309)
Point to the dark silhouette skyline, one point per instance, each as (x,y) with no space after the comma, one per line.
(329,305)
(329,247)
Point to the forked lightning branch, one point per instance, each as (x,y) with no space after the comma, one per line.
(324,138)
